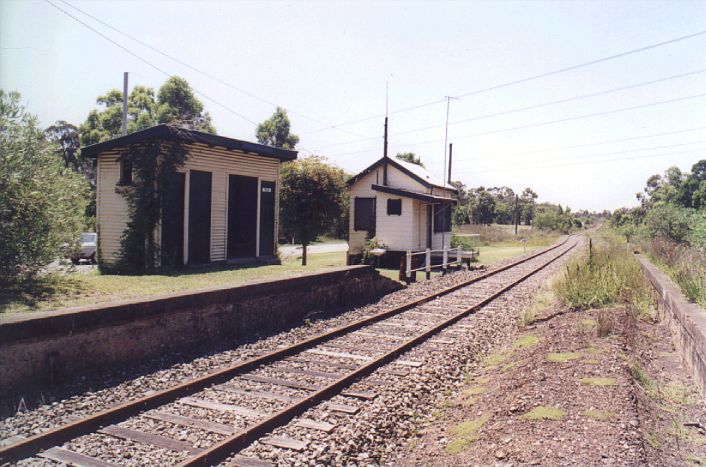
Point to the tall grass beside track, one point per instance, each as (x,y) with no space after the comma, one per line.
(606,274)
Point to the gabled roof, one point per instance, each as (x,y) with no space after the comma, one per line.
(413,194)
(172,133)
(414,171)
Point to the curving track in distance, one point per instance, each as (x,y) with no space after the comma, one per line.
(358,348)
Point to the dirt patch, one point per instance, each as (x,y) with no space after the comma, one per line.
(559,394)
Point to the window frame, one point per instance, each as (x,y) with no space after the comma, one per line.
(356,226)
(442,217)
(124,166)
(397,201)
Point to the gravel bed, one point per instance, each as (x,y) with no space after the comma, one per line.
(382,409)
(91,393)
(382,427)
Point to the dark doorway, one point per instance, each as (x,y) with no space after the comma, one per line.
(173,223)
(267,218)
(242,216)
(199,217)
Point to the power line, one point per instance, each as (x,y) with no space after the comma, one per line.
(529,78)
(597,161)
(532,163)
(146,62)
(597,143)
(535,106)
(568,119)
(193,68)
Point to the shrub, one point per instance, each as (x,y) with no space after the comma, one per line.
(607,275)
(42,203)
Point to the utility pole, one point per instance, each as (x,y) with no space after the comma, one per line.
(517,212)
(446,134)
(384,149)
(124,125)
(450,155)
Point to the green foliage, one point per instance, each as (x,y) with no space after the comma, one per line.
(551,218)
(410,157)
(275,131)
(371,244)
(313,195)
(155,166)
(41,201)
(175,104)
(669,221)
(608,275)
(685,264)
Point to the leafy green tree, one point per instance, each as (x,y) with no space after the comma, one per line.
(410,157)
(275,131)
(313,195)
(482,209)
(177,104)
(527,201)
(41,201)
(461,214)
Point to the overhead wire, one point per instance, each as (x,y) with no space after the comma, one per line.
(196,69)
(147,62)
(526,79)
(532,107)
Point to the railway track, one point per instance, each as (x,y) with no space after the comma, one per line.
(255,396)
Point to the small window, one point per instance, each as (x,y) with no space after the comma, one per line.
(394,207)
(364,214)
(125,172)
(442,217)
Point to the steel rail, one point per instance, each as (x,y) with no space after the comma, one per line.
(242,439)
(61,434)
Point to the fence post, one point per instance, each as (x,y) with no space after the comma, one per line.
(446,260)
(408,275)
(427,268)
(458,257)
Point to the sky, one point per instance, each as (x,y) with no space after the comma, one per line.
(587,137)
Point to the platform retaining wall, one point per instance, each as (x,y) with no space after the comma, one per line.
(686,321)
(46,347)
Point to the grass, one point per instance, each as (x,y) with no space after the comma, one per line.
(563,357)
(598,381)
(605,275)
(465,434)
(526,341)
(74,289)
(599,415)
(543,302)
(495,359)
(544,413)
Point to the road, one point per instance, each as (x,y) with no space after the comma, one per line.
(289,250)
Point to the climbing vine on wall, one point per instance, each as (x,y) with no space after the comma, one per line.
(155,166)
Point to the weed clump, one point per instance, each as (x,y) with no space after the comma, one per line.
(563,357)
(544,413)
(607,275)
(525,341)
(466,433)
(597,381)
(600,415)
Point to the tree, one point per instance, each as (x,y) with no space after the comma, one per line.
(527,198)
(275,131)
(483,207)
(410,157)
(313,195)
(175,104)
(41,201)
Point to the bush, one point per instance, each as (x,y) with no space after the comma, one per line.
(669,221)
(607,275)
(42,203)
(685,264)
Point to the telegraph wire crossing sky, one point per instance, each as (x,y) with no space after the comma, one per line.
(582,101)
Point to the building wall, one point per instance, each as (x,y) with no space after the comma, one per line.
(405,232)
(112,208)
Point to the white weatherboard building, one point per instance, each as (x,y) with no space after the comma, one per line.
(402,206)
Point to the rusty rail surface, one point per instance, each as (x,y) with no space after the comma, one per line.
(61,434)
